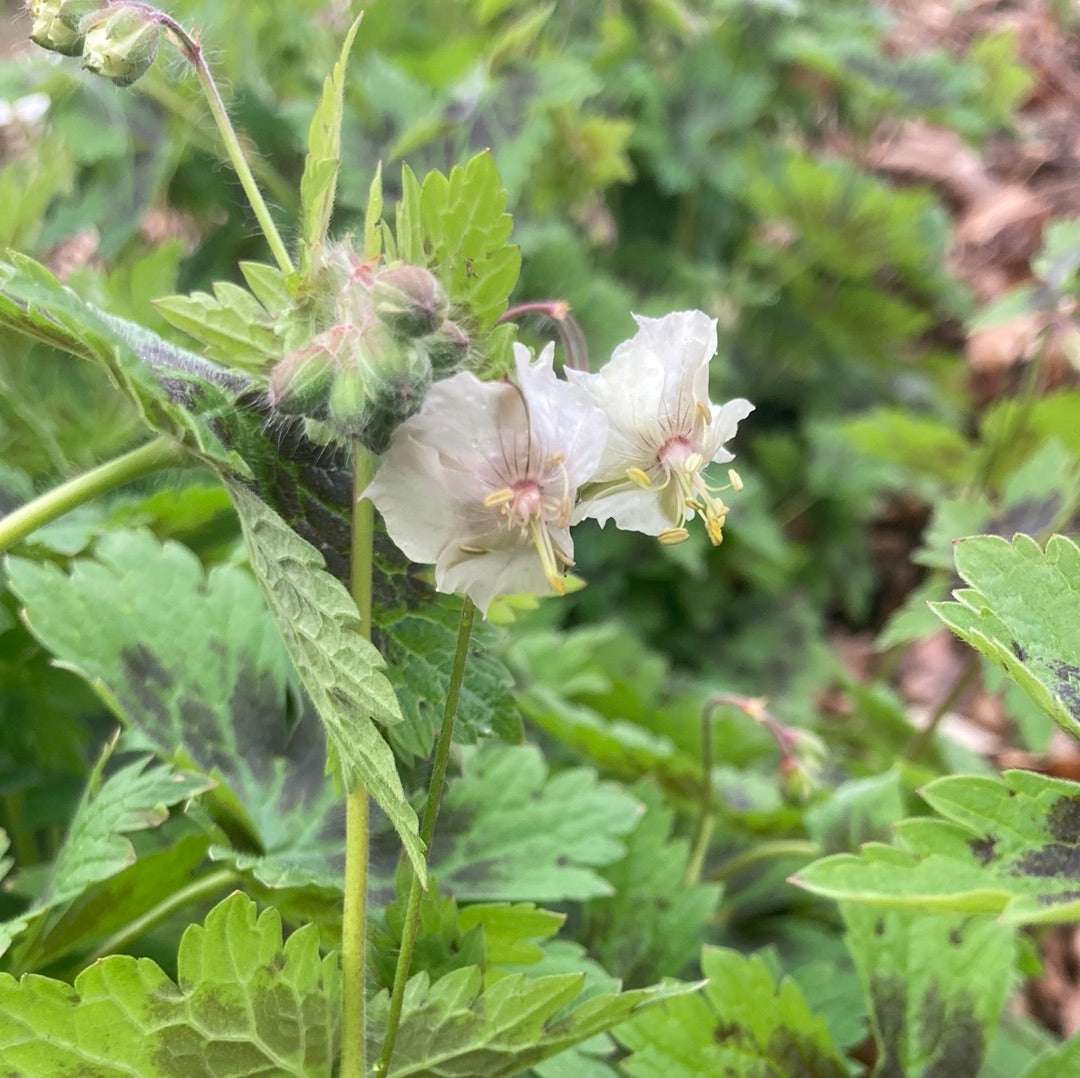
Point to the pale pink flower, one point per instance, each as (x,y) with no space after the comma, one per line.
(482,481)
(663,431)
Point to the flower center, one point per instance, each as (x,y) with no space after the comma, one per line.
(527,501)
(674,453)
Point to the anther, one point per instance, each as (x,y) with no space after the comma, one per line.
(673,536)
(498,497)
(638,477)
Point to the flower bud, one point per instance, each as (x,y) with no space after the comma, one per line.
(409,300)
(300,384)
(447,348)
(121,43)
(56,24)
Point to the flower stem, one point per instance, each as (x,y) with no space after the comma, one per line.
(354,922)
(193,52)
(411,927)
(705,818)
(155,455)
(195,891)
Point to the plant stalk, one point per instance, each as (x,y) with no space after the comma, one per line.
(151,457)
(193,52)
(354,922)
(437,785)
(705,817)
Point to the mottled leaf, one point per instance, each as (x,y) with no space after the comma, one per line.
(936,985)
(242,1004)
(1008,845)
(1022,611)
(743,1025)
(194,663)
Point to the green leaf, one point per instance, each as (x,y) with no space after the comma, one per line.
(416,631)
(652,923)
(1008,846)
(96,847)
(242,1004)
(1022,611)
(744,1024)
(1063,1061)
(194,663)
(511,832)
(373,235)
(459,1025)
(34,303)
(232,325)
(862,810)
(467,235)
(318,188)
(342,672)
(936,985)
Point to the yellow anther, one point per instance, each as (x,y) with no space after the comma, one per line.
(704,413)
(558,584)
(637,476)
(498,497)
(693,462)
(465,548)
(715,527)
(673,536)
(734,479)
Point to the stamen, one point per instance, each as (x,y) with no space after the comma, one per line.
(703,413)
(693,462)
(546,549)
(715,528)
(499,497)
(466,548)
(673,536)
(639,477)
(734,479)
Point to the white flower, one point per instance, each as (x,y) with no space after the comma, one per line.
(482,482)
(663,432)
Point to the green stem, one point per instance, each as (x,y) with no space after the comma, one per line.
(766,851)
(195,891)
(354,914)
(705,817)
(155,455)
(194,53)
(411,928)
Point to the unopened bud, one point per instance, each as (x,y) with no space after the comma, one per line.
(300,383)
(57,24)
(409,300)
(448,348)
(121,43)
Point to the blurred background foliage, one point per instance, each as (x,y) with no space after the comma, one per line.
(659,154)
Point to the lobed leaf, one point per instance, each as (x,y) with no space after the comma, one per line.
(1008,845)
(243,1003)
(1022,611)
(744,1025)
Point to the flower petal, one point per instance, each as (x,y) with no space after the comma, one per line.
(632,510)
(725,424)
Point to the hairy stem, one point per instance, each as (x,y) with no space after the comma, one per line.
(155,455)
(193,52)
(195,891)
(354,923)
(427,832)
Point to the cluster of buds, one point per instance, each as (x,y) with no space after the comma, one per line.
(118,41)
(382,336)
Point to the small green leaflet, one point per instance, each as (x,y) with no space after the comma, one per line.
(242,1004)
(342,672)
(743,1025)
(194,663)
(1022,611)
(511,832)
(461,1025)
(1008,845)
(318,188)
(936,985)
(96,847)
(232,325)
